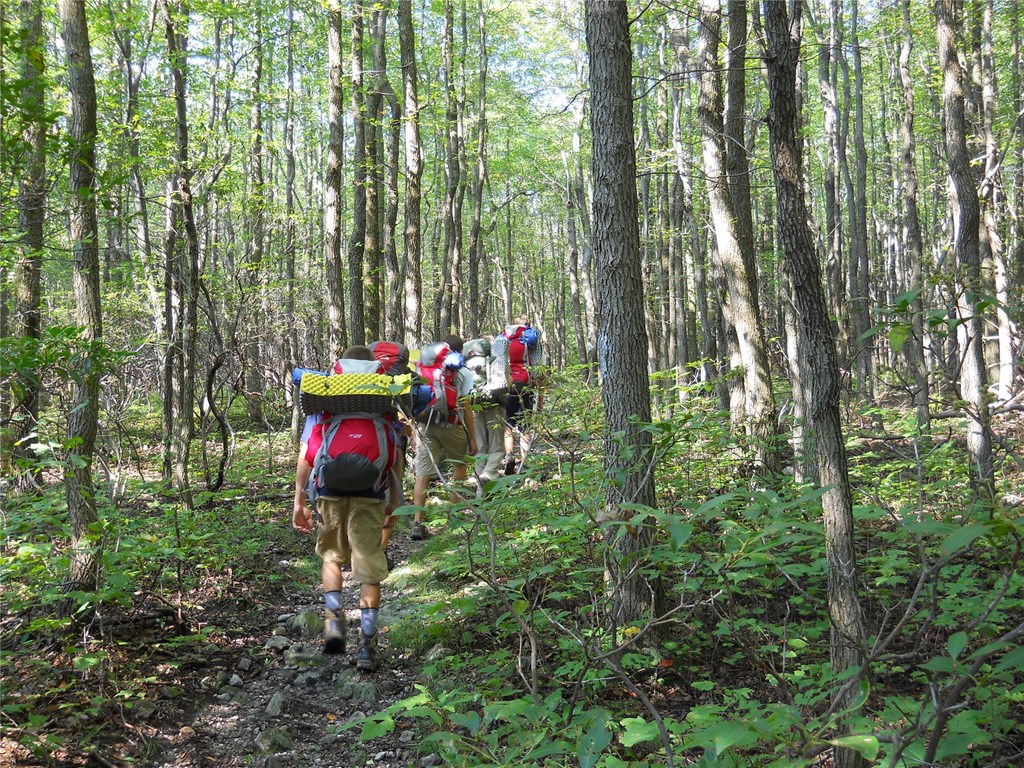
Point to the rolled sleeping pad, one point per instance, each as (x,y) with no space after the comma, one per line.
(297,374)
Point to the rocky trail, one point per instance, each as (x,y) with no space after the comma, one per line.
(273,699)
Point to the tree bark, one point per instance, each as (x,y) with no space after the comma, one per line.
(860,276)
(337,331)
(31,214)
(783,39)
(393,325)
(452,205)
(476,241)
(913,244)
(182,250)
(413,173)
(964,199)
(83,416)
(622,338)
(579,321)
(291,227)
(255,343)
(357,238)
(373,261)
(759,411)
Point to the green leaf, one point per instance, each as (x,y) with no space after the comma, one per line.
(636,730)
(592,743)
(680,533)
(729,734)
(939,664)
(1012,660)
(956,644)
(863,743)
(964,537)
(898,335)
(376,727)
(468,720)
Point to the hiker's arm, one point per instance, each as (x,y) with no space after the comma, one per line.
(470,424)
(394,501)
(302,519)
(394,498)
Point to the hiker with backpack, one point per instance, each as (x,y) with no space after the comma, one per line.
(445,428)
(346,466)
(487,361)
(524,356)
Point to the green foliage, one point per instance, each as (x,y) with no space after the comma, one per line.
(736,668)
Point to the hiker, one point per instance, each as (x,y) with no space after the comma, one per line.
(355,491)
(524,355)
(445,430)
(487,361)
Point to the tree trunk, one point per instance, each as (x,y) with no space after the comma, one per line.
(357,238)
(476,242)
(860,276)
(183,266)
(394,317)
(290,319)
(1016,261)
(373,263)
(759,410)
(914,346)
(255,344)
(829,54)
(83,416)
(992,193)
(452,205)
(622,338)
(337,332)
(783,38)
(587,262)
(964,199)
(413,173)
(31,215)
(579,321)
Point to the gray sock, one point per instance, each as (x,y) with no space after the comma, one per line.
(368,620)
(332,601)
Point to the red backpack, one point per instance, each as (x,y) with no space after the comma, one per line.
(439,368)
(349,453)
(392,357)
(521,339)
(353,450)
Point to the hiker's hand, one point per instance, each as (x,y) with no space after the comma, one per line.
(302,519)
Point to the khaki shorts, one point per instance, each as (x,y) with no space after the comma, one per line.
(350,532)
(442,443)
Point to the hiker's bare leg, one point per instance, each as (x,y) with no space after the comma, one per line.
(369,595)
(510,439)
(524,447)
(419,495)
(330,575)
(459,475)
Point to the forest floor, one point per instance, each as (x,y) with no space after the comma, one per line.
(259,691)
(236,675)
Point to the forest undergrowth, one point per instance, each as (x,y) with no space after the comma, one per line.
(731,668)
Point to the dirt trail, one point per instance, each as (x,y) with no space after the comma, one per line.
(272,698)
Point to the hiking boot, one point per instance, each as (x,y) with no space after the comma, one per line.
(334,632)
(418,532)
(369,657)
(510,465)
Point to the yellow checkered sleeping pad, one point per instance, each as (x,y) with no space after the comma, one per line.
(354,392)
